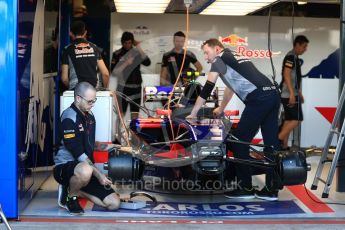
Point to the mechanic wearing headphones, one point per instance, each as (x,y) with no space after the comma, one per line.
(261,101)
(74,169)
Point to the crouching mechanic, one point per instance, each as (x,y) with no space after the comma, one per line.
(74,170)
(261,101)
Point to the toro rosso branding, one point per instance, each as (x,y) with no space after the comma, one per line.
(84,50)
(241,44)
(215,209)
(243,51)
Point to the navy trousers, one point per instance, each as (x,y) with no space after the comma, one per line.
(261,111)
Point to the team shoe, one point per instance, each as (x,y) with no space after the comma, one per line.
(281,148)
(284,149)
(267,194)
(73,206)
(240,193)
(62,195)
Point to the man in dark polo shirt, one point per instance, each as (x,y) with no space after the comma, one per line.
(291,93)
(74,164)
(172,61)
(262,102)
(81,60)
(125,66)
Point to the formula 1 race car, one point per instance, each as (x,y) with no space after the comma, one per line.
(197,149)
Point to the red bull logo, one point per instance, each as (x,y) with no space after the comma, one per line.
(83,48)
(234,40)
(82,45)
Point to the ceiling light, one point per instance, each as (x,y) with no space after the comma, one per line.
(235,7)
(138,6)
(302,2)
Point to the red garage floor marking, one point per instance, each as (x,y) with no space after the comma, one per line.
(155,221)
(299,192)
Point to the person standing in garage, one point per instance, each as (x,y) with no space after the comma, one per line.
(291,93)
(125,66)
(74,166)
(261,99)
(81,60)
(172,61)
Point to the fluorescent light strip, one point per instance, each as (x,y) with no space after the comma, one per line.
(147,5)
(235,7)
(138,6)
(230,12)
(247,1)
(256,4)
(239,13)
(126,10)
(143,1)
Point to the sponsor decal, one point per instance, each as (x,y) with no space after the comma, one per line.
(267,88)
(22,48)
(69,131)
(172,59)
(153,92)
(245,52)
(215,209)
(141,30)
(287,64)
(234,40)
(84,50)
(241,44)
(194,44)
(68,136)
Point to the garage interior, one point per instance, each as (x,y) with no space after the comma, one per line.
(267,26)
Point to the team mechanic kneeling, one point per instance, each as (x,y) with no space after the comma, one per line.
(74,170)
(261,101)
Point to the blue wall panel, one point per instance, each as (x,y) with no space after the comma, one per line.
(8,107)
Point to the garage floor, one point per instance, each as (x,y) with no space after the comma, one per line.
(294,207)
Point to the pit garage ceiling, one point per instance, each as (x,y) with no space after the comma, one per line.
(310,8)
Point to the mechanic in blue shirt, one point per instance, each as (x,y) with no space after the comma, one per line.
(74,165)
(261,100)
